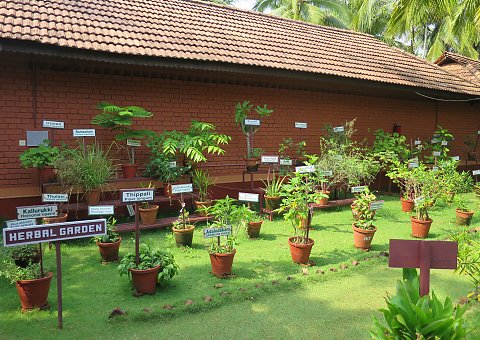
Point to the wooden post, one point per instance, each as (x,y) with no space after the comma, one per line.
(137,235)
(424,268)
(58,255)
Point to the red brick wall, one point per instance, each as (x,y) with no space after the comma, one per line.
(72,96)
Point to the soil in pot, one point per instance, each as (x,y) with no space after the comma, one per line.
(362,238)
(148,215)
(300,251)
(109,251)
(420,228)
(463,217)
(252,164)
(272,202)
(323,200)
(145,281)
(34,293)
(92,197)
(222,263)
(59,219)
(253,229)
(129,170)
(201,205)
(46,174)
(407,204)
(184,237)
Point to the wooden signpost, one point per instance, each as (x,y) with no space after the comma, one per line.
(425,255)
(55,232)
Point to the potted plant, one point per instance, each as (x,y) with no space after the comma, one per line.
(118,118)
(109,244)
(273,190)
(148,211)
(32,285)
(202,181)
(363,228)
(298,194)
(183,230)
(41,157)
(254,223)
(463,213)
(436,145)
(283,152)
(244,111)
(155,266)
(401,175)
(61,217)
(424,186)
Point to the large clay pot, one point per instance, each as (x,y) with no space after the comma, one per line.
(463,217)
(148,215)
(253,229)
(323,200)
(109,250)
(145,281)
(407,204)
(46,174)
(201,205)
(300,252)
(184,237)
(362,238)
(222,263)
(92,197)
(272,202)
(252,164)
(420,228)
(34,293)
(129,170)
(62,217)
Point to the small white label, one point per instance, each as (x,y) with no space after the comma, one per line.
(327,173)
(456,158)
(475,172)
(100,210)
(216,232)
(434,141)
(419,200)
(338,157)
(417,142)
(130,209)
(478,132)
(247,197)
(286,161)
(436,153)
(444,142)
(52,198)
(173,164)
(435,168)
(305,169)
(360,188)
(21,223)
(22,142)
(252,122)
(339,129)
(269,159)
(133,143)
(376,205)
(137,195)
(300,125)
(83,132)
(37,211)
(182,188)
(412,165)
(53,124)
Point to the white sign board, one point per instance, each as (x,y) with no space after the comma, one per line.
(100,210)
(478,132)
(300,125)
(182,188)
(436,153)
(475,172)
(247,197)
(269,159)
(376,205)
(133,143)
(456,158)
(130,209)
(137,195)
(327,173)
(434,141)
(285,161)
(83,132)
(217,232)
(305,169)
(52,198)
(360,188)
(417,142)
(412,165)
(252,122)
(53,124)
(338,157)
(444,142)
(173,164)
(419,200)
(21,223)
(37,211)
(339,129)
(435,168)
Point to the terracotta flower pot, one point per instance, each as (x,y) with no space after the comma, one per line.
(323,200)
(222,263)
(145,281)
(252,164)
(34,293)
(463,217)
(272,202)
(362,238)
(201,205)
(148,215)
(46,174)
(129,170)
(92,197)
(407,204)
(109,250)
(184,237)
(59,219)
(420,228)
(253,229)
(300,252)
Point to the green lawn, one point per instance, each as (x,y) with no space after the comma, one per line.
(337,304)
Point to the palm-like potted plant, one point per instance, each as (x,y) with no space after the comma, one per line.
(273,190)
(183,230)
(245,111)
(363,228)
(41,157)
(120,119)
(109,244)
(463,213)
(202,181)
(155,266)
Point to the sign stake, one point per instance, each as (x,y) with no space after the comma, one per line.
(58,255)
(41,258)
(424,268)
(137,235)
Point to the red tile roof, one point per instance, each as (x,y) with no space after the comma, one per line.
(461,66)
(201,31)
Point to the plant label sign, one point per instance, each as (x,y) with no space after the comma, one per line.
(83,132)
(137,195)
(338,157)
(173,164)
(300,125)
(478,132)
(434,141)
(435,168)
(419,200)
(436,154)
(305,169)
(269,159)
(53,124)
(360,188)
(412,165)
(339,129)
(37,211)
(456,158)
(247,197)
(444,143)
(100,210)
(53,232)
(21,223)
(54,198)
(475,172)
(217,232)
(376,205)
(285,161)
(417,142)
(182,188)
(252,122)
(327,173)
(133,143)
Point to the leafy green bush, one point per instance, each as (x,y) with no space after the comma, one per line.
(40,156)
(389,147)
(468,255)
(365,216)
(14,273)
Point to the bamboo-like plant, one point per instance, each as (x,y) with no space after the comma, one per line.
(202,181)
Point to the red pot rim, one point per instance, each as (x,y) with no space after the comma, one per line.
(26,282)
(225,254)
(192,227)
(129,165)
(311,242)
(464,212)
(105,244)
(409,200)
(364,231)
(413,219)
(152,207)
(255,222)
(144,271)
(272,197)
